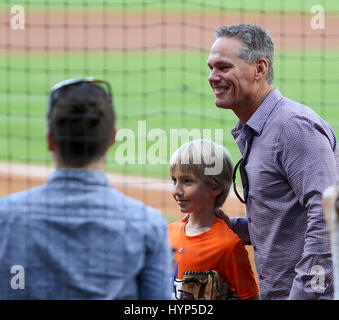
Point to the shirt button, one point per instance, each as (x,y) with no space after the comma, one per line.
(249,220)
(261,277)
(255,248)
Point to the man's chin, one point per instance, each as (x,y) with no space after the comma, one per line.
(222,105)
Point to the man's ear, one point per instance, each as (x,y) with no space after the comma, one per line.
(50,141)
(261,68)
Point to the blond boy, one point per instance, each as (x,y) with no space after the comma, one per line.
(202,174)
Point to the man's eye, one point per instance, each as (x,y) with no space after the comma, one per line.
(224,67)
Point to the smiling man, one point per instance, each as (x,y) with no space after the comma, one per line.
(238,84)
(289,157)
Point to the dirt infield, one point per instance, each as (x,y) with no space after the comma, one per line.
(154,192)
(122,31)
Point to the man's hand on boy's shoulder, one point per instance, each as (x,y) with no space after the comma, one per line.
(220,214)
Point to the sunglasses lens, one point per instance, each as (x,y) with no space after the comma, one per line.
(104,85)
(244,181)
(63,84)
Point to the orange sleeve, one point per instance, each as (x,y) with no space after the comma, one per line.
(239,272)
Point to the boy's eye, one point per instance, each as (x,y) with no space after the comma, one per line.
(187,180)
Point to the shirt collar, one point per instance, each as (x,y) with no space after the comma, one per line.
(83,176)
(258,120)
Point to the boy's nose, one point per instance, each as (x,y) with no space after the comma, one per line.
(177,190)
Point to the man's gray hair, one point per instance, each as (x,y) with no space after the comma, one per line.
(257,43)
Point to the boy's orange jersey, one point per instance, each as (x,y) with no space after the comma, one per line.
(217,249)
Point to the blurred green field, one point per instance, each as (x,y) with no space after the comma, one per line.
(168,90)
(178,5)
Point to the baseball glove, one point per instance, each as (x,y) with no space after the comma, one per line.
(205,285)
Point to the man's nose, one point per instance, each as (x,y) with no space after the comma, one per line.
(214,75)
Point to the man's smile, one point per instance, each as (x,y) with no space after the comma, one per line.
(220,90)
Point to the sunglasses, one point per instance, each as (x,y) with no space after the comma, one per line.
(244,180)
(54,95)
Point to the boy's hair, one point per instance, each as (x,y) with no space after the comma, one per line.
(82,123)
(207,161)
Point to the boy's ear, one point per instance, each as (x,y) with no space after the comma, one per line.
(216,191)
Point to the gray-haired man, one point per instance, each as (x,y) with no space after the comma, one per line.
(289,157)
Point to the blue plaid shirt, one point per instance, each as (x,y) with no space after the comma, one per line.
(78,238)
(293,158)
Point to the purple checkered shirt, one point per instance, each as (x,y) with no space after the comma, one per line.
(293,158)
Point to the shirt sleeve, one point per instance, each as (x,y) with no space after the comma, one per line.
(305,156)
(239,272)
(240,227)
(154,279)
